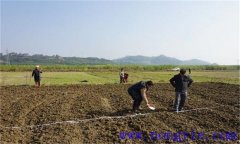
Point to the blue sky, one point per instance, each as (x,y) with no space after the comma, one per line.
(207,30)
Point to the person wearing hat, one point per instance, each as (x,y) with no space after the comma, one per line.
(121,74)
(180,82)
(138,93)
(36,74)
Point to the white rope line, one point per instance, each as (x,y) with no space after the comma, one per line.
(105,117)
(77,121)
(220,105)
(195,109)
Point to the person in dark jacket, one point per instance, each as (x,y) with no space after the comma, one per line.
(180,82)
(138,93)
(37,77)
(189,71)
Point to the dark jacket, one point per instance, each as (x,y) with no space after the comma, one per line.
(36,73)
(181,82)
(136,88)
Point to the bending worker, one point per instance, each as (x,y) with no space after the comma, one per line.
(138,92)
(180,82)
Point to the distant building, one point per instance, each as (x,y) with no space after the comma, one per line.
(175,69)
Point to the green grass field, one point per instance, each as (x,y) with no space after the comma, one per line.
(59,78)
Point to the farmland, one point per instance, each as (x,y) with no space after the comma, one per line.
(60,78)
(100,113)
(90,106)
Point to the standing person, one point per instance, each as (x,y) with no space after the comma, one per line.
(121,74)
(126,77)
(36,74)
(189,71)
(180,82)
(138,92)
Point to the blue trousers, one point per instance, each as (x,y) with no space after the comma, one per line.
(180,100)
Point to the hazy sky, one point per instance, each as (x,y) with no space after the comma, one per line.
(207,30)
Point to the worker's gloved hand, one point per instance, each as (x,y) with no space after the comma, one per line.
(151,107)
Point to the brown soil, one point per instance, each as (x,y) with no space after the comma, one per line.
(44,115)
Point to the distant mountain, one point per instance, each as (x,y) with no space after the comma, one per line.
(196,62)
(158,60)
(133,60)
(18,58)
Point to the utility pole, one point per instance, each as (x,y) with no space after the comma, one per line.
(8,58)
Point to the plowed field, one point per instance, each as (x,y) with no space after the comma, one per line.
(101,114)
